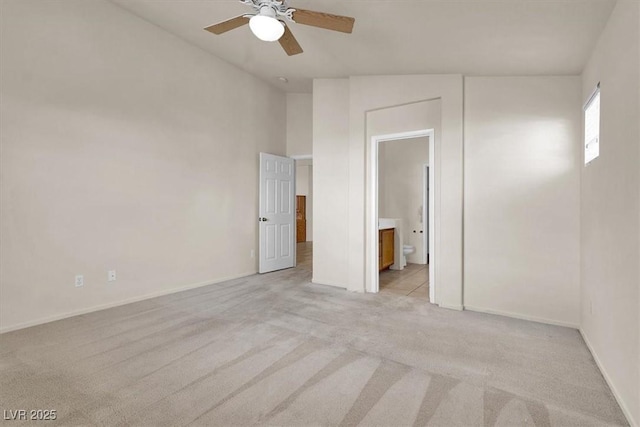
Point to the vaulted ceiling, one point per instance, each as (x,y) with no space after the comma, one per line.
(472,37)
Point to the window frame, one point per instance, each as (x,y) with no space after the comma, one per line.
(588,153)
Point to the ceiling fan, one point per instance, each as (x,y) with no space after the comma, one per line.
(269,20)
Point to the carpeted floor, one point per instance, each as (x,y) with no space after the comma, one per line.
(277,350)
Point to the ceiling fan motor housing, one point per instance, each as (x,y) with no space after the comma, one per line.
(271,8)
(267,11)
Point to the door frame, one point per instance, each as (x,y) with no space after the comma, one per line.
(426,210)
(372,261)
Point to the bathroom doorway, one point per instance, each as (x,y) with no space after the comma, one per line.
(402,228)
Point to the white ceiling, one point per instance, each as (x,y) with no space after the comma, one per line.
(472,37)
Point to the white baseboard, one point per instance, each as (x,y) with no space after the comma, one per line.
(43,320)
(325,283)
(607,378)
(523,317)
(452,307)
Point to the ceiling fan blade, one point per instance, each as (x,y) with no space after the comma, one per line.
(289,43)
(327,21)
(223,27)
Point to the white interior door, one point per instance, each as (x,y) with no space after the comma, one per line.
(277,213)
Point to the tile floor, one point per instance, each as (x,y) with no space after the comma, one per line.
(304,254)
(412,281)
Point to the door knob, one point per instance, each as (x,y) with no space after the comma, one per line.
(263,219)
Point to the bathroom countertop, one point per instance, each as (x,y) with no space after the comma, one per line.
(386,223)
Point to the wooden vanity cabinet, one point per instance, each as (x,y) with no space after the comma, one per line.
(386,248)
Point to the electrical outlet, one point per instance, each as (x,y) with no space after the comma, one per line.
(253,253)
(111,275)
(79,280)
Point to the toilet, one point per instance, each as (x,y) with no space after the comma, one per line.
(406,250)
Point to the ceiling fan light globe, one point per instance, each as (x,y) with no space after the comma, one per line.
(266,28)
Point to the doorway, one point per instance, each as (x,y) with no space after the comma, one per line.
(421,223)
(304,211)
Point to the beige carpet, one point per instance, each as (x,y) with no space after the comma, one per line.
(277,350)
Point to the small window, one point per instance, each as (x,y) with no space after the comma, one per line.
(592,127)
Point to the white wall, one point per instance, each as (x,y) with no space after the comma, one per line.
(522,204)
(610,211)
(299,124)
(330,181)
(401,188)
(522,186)
(123,148)
(304,187)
